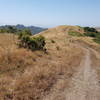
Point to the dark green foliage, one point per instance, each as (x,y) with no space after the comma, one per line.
(97,38)
(33,43)
(2,31)
(90,34)
(17,28)
(12,29)
(25,32)
(24,41)
(88,29)
(36,43)
(8,29)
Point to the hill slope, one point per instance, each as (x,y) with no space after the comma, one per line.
(27,75)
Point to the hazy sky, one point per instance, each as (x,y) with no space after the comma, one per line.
(49,13)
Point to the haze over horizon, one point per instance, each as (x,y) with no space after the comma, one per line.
(50,13)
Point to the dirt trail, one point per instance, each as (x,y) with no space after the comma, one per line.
(85,84)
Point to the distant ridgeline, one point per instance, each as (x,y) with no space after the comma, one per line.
(17,28)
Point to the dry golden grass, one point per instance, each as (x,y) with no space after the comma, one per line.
(61,31)
(27,75)
(87,41)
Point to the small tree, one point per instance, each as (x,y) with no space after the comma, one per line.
(25,32)
(90,34)
(24,41)
(97,39)
(36,43)
(11,29)
(33,43)
(89,29)
(40,42)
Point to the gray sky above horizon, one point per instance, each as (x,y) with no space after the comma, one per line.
(50,13)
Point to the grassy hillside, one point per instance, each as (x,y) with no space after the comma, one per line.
(27,75)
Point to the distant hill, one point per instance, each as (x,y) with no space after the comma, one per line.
(33,29)
(98,29)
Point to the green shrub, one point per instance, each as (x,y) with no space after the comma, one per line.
(8,29)
(25,32)
(36,43)
(2,31)
(97,38)
(90,34)
(11,29)
(24,41)
(33,43)
(89,29)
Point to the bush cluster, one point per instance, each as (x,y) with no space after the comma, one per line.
(8,29)
(89,29)
(33,43)
(24,33)
(91,32)
(97,38)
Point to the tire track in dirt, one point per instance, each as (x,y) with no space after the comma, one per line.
(84,85)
